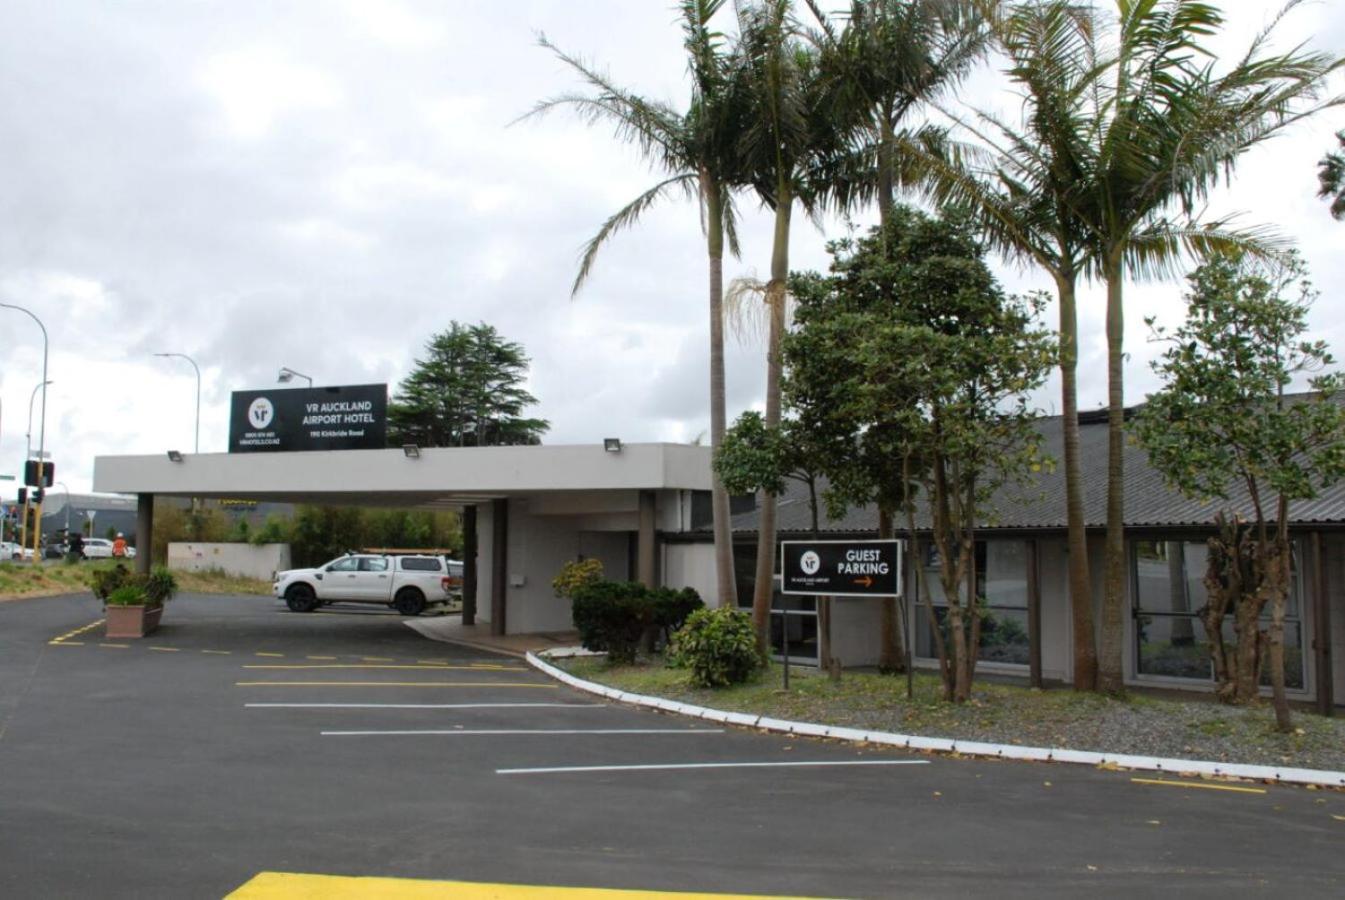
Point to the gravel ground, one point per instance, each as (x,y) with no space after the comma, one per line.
(1009,714)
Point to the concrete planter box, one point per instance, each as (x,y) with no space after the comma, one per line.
(132,621)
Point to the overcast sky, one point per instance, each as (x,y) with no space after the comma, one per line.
(322,185)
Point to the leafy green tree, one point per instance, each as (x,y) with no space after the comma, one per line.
(1221,428)
(1331,176)
(916,351)
(466,392)
(696,150)
(756,459)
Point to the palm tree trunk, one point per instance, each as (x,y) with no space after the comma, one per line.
(775,297)
(726,583)
(1111,675)
(1080,590)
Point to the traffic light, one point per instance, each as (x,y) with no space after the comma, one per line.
(38,494)
(23,496)
(30,473)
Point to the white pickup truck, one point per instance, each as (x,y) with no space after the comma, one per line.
(406,583)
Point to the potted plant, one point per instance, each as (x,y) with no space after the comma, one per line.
(133,602)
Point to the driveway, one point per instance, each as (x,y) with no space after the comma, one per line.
(242,739)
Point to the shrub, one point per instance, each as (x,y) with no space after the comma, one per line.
(612,616)
(719,646)
(105,581)
(576,574)
(160,585)
(128,595)
(672,607)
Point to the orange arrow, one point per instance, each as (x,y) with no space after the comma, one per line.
(866,581)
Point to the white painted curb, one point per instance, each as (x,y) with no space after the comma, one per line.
(1284,775)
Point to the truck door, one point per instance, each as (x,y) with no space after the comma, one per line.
(338,582)
(374,579)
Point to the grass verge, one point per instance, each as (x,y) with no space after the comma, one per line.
(57,577)
(1004,713)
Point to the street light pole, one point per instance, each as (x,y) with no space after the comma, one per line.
(67,505)
(27,455)
(198,393)
(287,374)
(42,429)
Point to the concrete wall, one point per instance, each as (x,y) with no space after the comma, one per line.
(693,566)
(245,560)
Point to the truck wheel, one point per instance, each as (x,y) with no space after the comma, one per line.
(409,602)
(300,598)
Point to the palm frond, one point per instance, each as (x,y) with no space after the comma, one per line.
(627,216)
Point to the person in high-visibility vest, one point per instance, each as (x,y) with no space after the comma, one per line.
(119,546)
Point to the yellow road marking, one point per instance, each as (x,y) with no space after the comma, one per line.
(1338,818)
(1201,785)
(373,666)
(322,657)
(118,646)
(69,634)
(60,643)
(167,649)
(276,655)
(376,658)
(219,652)
(290,885)
(464,684)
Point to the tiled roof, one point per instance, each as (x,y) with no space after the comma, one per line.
(1040,504)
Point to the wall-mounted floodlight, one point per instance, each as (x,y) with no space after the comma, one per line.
(412,451)
(175,456)
(611,445)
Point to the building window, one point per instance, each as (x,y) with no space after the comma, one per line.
(798,613)
(1001,583)
(1170,638)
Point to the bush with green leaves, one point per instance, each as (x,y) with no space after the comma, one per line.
(671,607)
(104,581)
(128,595)
(159,585)
(719,646)
(612,616)
(576,574)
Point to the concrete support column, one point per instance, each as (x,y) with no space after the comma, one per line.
(144,533)
(644,549)
(499,565)
(469,565)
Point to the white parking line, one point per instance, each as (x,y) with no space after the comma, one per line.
(745,765)
(517,731)
(426,705)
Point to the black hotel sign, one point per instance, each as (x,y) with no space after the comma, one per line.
(326,418)
(841,568)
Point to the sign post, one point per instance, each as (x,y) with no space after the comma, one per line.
(838,569)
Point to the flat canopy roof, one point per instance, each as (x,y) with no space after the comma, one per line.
(448,476)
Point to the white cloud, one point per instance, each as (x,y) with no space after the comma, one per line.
(256,86)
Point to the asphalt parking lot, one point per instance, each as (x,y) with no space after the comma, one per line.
(243,739)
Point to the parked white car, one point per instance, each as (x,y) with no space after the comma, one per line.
(11,550)
(97,548)
(406,583)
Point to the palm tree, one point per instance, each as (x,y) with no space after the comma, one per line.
(1165,130)
(1025,193)
(695,150)
(1331,175)
(789,150)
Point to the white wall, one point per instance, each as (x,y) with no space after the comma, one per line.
(693,566)
(246,560)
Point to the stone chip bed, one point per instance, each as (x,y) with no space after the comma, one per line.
(1139,725)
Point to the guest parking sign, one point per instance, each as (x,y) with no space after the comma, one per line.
(841,568)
